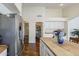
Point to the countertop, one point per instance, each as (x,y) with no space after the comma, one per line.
(3,47)
(66,49)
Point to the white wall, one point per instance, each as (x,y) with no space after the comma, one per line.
(32,32)
(53,12)
(34,11)
(71,11)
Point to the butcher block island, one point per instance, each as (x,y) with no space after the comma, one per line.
(49,47)
(3,50)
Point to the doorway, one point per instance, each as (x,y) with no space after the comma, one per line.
(26,33)
(38,31)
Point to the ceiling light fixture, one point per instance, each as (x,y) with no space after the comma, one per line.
(61,4)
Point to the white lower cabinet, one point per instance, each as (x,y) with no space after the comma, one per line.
(4,53)
(49,53)
(44,50)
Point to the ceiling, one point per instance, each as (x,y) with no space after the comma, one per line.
(51,4)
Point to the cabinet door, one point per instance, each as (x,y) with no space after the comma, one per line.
(42,49)
(48,52)
(4,53)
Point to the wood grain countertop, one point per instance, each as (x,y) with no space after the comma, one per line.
(66,49)
(3,47)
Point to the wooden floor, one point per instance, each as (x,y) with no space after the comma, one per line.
(30,49)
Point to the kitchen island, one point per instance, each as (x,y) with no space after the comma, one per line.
(3,50)
(49,47)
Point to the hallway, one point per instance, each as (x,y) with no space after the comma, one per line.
(30,49)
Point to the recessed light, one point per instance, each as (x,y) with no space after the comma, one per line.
(61,4)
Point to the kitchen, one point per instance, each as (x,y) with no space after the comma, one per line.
(52,16)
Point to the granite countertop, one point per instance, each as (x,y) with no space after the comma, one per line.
(66,49)
(3,47)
